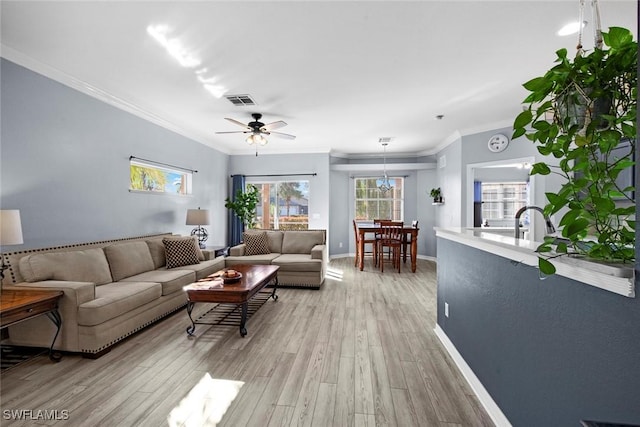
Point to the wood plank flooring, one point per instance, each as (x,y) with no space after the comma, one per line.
(359,352)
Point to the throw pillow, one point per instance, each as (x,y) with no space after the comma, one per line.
(256,243)
(180,251)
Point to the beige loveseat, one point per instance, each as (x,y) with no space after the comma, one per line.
(301,254)
(111,289)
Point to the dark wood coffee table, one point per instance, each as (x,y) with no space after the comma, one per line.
(254,278)
(19,305)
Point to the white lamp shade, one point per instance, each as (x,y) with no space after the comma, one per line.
(198,217)
(10,227)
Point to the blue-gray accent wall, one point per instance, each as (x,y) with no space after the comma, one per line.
(65,165)
(550,352)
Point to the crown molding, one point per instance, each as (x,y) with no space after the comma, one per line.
(456,135)
(368,167)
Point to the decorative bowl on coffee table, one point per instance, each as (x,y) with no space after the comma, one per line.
(232,279)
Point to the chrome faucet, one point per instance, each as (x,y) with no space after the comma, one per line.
(550,228)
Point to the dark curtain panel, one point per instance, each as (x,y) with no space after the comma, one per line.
(235,225)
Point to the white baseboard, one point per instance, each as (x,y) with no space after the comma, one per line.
(483,395)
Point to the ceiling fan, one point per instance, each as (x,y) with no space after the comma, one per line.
(258,130)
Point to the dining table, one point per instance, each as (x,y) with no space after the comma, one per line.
(407,230)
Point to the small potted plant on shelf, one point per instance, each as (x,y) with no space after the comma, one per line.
(436,194)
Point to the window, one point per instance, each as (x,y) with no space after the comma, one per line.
(283,205)
(501,200)
(371,203)
(156,179)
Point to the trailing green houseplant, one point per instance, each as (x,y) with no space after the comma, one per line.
(582,112)
(244,205)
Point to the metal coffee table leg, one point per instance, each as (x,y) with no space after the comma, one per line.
(191,329)
(243,319)
(54,316)
(275,288)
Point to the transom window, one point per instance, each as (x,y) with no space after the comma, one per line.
(156,179)
(371,203)
(283,205)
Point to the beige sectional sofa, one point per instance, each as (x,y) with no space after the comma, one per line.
(111,288)
(301,254)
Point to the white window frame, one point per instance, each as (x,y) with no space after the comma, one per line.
(276,182)
(399,200)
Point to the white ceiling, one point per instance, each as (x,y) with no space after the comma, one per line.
(341,74)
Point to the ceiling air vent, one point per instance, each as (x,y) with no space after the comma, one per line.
(241,100)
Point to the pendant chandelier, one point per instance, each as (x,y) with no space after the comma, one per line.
(385,184)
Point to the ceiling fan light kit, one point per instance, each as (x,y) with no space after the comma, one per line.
(258,131)
(256,138)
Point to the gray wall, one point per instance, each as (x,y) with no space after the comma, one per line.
(549,352)
(450,181)
(65,165)
(341,234)
(426,214)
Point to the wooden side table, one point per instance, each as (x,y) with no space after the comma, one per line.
(19,305)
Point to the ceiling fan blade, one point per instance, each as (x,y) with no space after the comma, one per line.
(283,135)
(235,131)
(244,125)
(275,125)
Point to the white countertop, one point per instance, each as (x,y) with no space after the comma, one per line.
(611,277)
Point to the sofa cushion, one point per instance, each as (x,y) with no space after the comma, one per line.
(301,242)
(251,259)
(156,248)
(89,265)
(297,262)
(128,259)
(255,243)
(115,299)
(180,251)
(170,280)
(205,268)
(275,240)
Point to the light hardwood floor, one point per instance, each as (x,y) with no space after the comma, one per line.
(359,352)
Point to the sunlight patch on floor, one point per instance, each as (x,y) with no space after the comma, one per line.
(206,403)
(335,274)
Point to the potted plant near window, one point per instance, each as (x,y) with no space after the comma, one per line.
(436,194)
(583,112)
(244,205)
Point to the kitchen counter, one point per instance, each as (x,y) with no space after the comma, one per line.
(612,277)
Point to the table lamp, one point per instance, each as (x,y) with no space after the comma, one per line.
(10,232)
(199,217)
